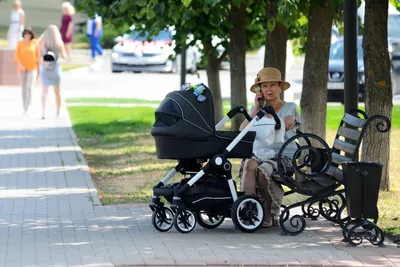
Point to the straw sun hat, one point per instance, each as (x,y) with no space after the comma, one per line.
(269,75)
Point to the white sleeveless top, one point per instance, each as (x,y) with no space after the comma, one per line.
(15,17)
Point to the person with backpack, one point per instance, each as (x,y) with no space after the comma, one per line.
(95,32)
(51,48)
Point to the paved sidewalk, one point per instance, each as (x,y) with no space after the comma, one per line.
(50,214)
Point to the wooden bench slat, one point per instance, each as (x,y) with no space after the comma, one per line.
(349,133)
(353,121)
(311,186)
(344,146)
(335,172)
(324,180)
(339,159)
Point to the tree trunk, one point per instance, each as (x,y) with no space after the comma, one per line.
(214,83)
(275,42)
(378,84)
(315,73)
(237,53)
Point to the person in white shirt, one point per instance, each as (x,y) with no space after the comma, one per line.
(257,171)
(95,32)
(17,25)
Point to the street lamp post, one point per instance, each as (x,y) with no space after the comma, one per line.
(183,67)
(350,55)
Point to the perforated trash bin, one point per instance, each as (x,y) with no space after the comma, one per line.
(362,181)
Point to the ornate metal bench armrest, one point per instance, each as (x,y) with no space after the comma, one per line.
(310,154)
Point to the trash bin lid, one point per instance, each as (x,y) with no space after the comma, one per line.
(362,164)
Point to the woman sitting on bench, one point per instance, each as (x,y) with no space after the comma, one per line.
(257,171)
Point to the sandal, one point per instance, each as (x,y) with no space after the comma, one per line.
(267,225)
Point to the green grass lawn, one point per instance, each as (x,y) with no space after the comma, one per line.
(226,103)
(71,66)
(121,154)
(112,100)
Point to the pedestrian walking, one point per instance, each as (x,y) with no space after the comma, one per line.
(51,48)
(26,56)
(67,27)
(17,23)
(95,32)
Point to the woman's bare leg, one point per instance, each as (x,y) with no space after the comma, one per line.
(57,93)
(249,187)
(68,50)
(263,182)
(249,176)
(45,92)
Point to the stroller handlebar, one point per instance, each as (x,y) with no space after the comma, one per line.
(239,109)
(270,110)
(264,111)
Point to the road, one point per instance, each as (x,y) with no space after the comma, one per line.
(102,83)
(154,86)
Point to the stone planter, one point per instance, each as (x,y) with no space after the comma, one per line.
(8,67)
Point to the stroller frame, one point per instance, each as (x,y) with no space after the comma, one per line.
(246,211)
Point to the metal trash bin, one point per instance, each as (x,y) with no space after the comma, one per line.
(362,181)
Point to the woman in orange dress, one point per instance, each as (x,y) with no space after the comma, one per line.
(26,56)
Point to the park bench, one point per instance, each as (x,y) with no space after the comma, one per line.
(318,175)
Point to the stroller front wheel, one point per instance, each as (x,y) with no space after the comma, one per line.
(247,213)
(184,221)
(209,221)
(162,219)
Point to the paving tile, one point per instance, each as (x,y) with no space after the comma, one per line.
(135,262)
(342,263)
(159,262)
(188,262)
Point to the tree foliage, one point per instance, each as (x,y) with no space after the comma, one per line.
(395,3)
(204,19)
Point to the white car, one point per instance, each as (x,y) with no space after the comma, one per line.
(134,53)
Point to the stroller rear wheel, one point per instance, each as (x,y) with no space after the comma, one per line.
(162,219)
(247,213)
(184,221)
(209,221)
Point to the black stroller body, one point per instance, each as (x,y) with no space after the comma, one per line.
(185,130)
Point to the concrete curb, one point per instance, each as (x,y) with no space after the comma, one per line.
(88,179)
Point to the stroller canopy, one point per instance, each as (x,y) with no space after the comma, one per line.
(185,128)
(181,114)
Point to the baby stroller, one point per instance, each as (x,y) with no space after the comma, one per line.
(184,130)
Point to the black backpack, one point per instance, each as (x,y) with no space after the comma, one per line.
(49,59)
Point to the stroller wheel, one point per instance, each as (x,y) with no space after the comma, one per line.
(162,219)
(208,221)
(247,213)
(184,220)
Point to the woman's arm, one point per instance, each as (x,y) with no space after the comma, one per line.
(290,120)
(22,21)
(291,117)
(61,50)
(38,55)
(17,57)
(69,28)
(252,114)
(39,48)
